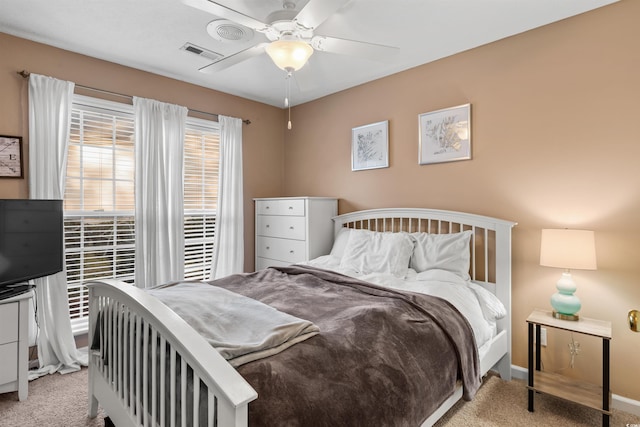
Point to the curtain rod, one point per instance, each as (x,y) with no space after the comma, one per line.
(25,74)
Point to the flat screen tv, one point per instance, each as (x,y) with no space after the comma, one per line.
(31,242)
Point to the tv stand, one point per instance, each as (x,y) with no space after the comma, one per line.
(14,347)
(14,290)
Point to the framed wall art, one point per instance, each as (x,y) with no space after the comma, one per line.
(370,146)
(11,157)
(445,135)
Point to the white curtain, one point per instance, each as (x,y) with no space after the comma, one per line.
(49,121)
(159,213)
(228,247)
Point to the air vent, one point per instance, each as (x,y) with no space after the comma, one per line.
(205,53)
(228,31)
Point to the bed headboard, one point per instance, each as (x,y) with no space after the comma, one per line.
(490,242)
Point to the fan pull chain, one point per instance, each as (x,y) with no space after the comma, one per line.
(287,104)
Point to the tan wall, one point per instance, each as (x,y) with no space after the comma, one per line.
(262,139)
(555,144)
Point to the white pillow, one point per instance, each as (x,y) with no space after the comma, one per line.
(375,252)
(340,242)
(449,252)
(492,307)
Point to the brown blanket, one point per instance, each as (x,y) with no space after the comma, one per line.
(382,358)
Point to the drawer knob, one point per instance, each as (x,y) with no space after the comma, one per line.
(291,252)
(291,228)
(267,226)
(290,207)
(267,207)
(268,248)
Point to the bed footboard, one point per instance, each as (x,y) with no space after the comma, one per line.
(148,367)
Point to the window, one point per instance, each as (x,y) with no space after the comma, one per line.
(99,200)
(201,160)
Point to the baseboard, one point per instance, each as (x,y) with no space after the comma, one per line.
(617,402)
(519,373)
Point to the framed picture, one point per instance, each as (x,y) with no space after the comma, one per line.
(370,146)
(11,157)
(445,135)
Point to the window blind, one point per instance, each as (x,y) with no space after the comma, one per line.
(201,165)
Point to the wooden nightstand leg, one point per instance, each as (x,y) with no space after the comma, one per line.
(531,367)
(605,381)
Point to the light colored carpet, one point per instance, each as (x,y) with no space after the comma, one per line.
(502,403)
(61,401)
(54,400)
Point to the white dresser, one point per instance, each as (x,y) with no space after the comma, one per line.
(293,229)
(14,335)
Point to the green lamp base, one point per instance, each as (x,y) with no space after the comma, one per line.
(565,304)
(565,316)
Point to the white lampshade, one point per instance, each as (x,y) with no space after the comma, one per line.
(289,53)
(570,249)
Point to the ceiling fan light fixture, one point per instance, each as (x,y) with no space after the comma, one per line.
(289,54)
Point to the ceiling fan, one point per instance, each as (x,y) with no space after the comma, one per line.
(291,35)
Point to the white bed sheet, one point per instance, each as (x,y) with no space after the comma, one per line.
(450,287)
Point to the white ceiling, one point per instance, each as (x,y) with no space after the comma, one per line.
(148,35)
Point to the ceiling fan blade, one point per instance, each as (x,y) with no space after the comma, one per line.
(376,52)
(234,59)
(317,11)
(226,13)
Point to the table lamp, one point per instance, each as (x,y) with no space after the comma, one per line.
(568,249)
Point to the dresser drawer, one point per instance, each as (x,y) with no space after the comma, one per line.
(262,263)
(9,357)
(8,325)
(286,227)
(291,251)
(280,207)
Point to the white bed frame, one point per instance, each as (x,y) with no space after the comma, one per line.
(228,392)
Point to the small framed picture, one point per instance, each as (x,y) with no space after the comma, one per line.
(11,157)
(370,146)
(445,135)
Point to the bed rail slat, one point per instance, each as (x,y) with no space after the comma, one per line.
(101,332)
(210,409)
(172,400)
(126,356)
(153,350)
(132,365)
(120,375)
(486,255)
(145,373)
(123,351)
(183,392)
(138,396)
(163,380)
(473,253)
(108,333)
(196,400)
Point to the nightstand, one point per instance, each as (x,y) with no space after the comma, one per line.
(583,393)
(14,337)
